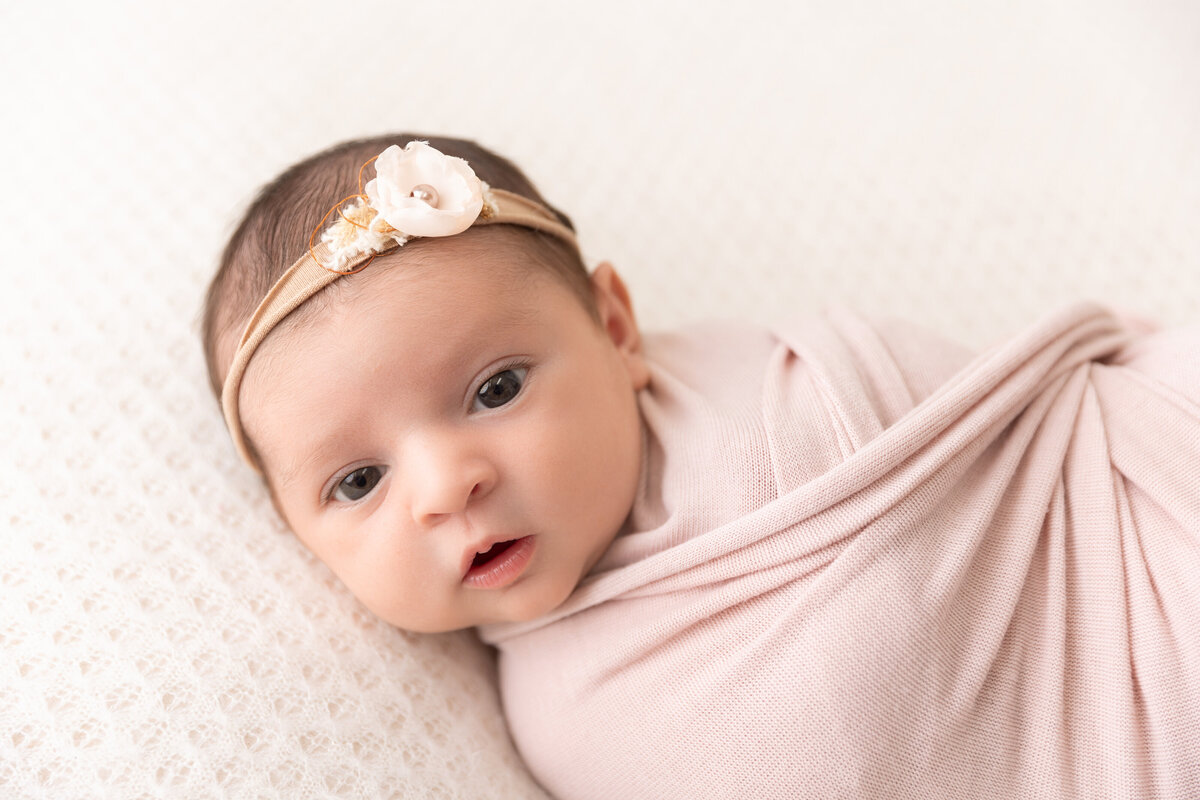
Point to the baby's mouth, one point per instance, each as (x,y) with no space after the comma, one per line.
(493,551)
(499,564)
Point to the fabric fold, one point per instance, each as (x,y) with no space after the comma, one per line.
(871,566)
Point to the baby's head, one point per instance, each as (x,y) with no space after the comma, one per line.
(453,427)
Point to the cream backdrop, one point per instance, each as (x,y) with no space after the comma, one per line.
(969,165)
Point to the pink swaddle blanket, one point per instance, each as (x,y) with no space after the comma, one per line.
(860,566)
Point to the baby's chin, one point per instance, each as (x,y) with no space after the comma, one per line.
(532,605)
(515,607)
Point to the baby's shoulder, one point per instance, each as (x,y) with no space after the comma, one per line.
(718,358)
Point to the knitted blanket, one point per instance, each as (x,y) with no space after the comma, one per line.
(861,565)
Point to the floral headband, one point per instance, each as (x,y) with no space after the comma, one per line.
(417,192)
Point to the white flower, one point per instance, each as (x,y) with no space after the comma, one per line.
(458,194)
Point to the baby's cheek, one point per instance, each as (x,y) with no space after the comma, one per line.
(594,443)
(612,454)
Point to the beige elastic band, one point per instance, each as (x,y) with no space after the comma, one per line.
(307,277)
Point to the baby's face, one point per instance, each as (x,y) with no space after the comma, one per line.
(446,408)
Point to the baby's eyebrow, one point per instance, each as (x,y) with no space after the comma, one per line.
(291,472)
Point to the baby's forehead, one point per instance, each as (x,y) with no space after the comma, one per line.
(478,275)
(439,295)
(461,277)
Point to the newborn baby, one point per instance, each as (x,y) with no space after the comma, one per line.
(457,438)
(839,559)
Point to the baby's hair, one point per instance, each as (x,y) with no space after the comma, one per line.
(275,232)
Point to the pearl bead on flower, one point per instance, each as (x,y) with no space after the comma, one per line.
(426,194)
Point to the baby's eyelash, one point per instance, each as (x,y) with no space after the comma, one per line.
(331,486)
(513,363)
(517,362)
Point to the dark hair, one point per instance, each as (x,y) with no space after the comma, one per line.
(276,228)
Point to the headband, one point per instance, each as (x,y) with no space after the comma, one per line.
(417,192)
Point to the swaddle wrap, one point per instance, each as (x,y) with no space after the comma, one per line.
(861,566)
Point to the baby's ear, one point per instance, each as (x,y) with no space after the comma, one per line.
(617,320)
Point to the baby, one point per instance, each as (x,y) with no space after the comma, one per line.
(842,558)
(457,438)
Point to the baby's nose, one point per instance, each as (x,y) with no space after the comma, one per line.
(447,483)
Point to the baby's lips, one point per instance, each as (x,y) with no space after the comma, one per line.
(506,563)
(480,546)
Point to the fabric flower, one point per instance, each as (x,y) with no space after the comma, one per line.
(459,194)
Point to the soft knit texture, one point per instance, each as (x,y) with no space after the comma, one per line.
(841,581)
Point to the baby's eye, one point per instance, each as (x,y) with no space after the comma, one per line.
(500,388)
(357,484)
